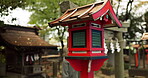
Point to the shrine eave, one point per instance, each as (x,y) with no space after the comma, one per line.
(17,36)
(144,36)
(88,12)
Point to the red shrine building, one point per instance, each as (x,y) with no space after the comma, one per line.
(86,27)
(86,35)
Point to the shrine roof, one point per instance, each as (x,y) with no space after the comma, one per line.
(135,45)
(144,36)
(88,12)
(22,37)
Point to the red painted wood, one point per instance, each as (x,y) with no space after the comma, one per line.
(84,73)
(106,20)
(89,41)
(78,49)
(95,28)
(97,49)
(136,58)
(76,64)
(107,8)
(147,58)
(146,50)
(146,55)
(86,54)
(85,49)
(96,64)
(88,47)
(82,66)
(103,39)
(79,28)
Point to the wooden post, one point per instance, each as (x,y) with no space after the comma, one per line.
(54,70)
(130,56)
(143,55)
(84,73)
(23,63)
(119,62)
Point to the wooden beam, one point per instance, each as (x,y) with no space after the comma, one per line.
(49,56)
(144,36)
(117,29)
(113,27)
(110,25)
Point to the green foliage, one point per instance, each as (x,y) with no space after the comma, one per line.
(6,5)
(45,11)
(45,30)
(48,10)
(2,47)
(135,20)
(141,3)
(146,20)
(135,26)
(82,2)
(60,35)
(2,58)
(146,16)
(1,23)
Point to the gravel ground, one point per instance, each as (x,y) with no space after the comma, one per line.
(100,75)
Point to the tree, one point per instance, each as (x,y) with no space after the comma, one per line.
(45,11)
(134,19)
(7,5)
(127,13)
(146,20)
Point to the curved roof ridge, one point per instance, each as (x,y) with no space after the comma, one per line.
(87,5)
(106,7)
(87,12)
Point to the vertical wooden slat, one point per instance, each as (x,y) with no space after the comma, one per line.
(54,69)
(22,68)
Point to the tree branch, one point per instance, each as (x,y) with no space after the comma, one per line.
(118,7)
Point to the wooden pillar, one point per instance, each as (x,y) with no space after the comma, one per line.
(137,58)
(55,69)
(119,62)
(130,56)
(40,58)
(143,55)
(23,63)
(84,73)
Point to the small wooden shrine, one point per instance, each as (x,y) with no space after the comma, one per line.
(145,36)
(24,49)
(140,57)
